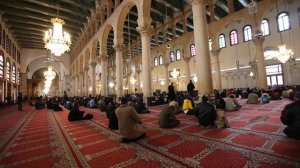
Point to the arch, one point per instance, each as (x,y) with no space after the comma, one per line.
(94,54)
(104,37)
(87,57)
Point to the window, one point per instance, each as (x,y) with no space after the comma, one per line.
(193,50)
(18,77)
(265,27)
(172,59)
(222,43)
(7,69)
(283,21)
(1,64)
(233,37)
(209,44)
(274,75)
(178,55)
(160,60)
(155,61)
(7,43)
(14,73)
(247,33)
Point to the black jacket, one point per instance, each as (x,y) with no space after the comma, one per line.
(75,115)
(205,113)
(290,116)
(111,115)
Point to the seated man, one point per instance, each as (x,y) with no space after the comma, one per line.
(232,104)
(129,122)
(167,118)
(265,98)
(290,116)
(111,114)
(92,103)
(252,98)
(140,107)
(39,104)
(56,106)
(206,113)
(187,106)
(75,114)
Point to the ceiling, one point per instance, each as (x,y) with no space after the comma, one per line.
(27,20)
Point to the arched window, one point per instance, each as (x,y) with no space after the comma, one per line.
(7,69)
(1,64)
(209,44)
(172,59)
(155,61)
(193,50)
(283,21)
(14,73)
(178,55)
(233,37)
(222,43)
(265,27)
(160,60)
(7,43)
(247,33)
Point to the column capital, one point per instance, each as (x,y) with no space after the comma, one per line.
(187,59)
(259,41)
(144,30)
(216,52)
(197,2)
(119,47)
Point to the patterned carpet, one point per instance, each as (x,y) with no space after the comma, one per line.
(47,139)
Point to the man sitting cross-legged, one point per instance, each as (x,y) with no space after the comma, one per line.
(167,118)
(129,122)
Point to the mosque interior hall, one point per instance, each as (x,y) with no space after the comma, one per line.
(233,63)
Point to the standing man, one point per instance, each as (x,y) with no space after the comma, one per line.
(20,102)
(171,91)
(190,88)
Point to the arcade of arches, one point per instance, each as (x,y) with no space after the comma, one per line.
(112,56)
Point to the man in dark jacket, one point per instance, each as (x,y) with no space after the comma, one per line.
(167,118)
(75,114)
(111,115)
(190,88)
(171,90)
(20,102)
(290,116)
(206,113)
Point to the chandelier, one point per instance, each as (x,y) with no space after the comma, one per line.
(111,84)
(57,41)
(251,74)
(175,73)
(162,82)
(195,79)
(133,80)
(284,54)
(49,74)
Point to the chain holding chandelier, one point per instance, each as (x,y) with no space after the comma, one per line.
(57,41)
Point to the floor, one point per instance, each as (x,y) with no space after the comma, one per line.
(46,139)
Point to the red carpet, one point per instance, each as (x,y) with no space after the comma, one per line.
(47,139)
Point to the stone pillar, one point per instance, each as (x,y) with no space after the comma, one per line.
(146,55)
(86,79)
(76,85)
(187,69)
(167,74)
(138,72)
(119,69)
(287,73)
(184,23)
(218,79)
(230,6)
(93,69)
(261,68)
(80,84)
(202,50)
(117,3)
(104,75)
(23,84)
(212,10)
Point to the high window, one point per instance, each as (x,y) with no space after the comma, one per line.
(155,61)
(7,69)
(172,59)
(222,43)
(18,77)
(160,60)
(1,64)
(233,37)
(178,55)
(283,21)
(209,44)
(247,33)
(3,39)
(265,27)
(14,73)
(7,43)
(193,50)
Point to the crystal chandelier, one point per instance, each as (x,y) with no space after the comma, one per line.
(195,79)
(111,84)
(284,54)
(57,41)
(133,80)
(175,73)
(251,74)
(49,74)
(162,82)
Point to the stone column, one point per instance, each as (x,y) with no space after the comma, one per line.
(218,79)
(261,68)
(119,69)
(93,69)
(287,73)
(23,84)
(230,6)
(187,69)
(146,73)
(184,23)
(167,74)
(81,84)
(86,78)
(138,72)
(104,75)
(202,50)
(76,88)
(212,10)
